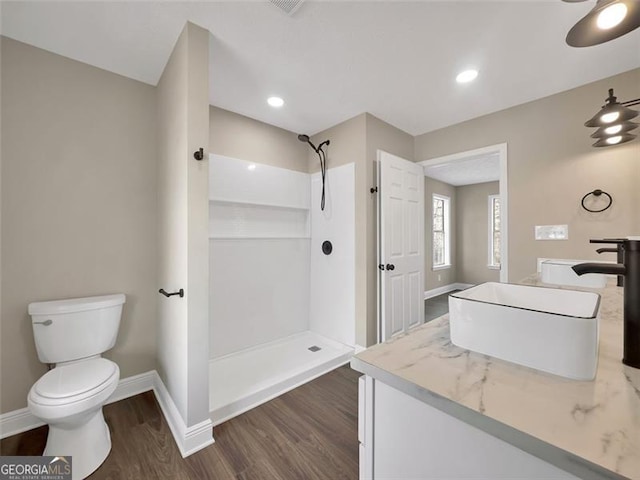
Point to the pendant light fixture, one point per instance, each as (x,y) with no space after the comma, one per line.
(609,19)
(614,140)
(617,128)
(613,122)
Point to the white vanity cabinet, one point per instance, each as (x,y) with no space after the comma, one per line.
(404,438)
(432,410)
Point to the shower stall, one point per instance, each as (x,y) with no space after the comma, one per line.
(282,307)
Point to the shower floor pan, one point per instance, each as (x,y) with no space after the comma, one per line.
(246,379)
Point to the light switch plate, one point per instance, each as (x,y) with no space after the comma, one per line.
(552,232)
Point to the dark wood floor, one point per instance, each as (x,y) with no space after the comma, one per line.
(435,307)
(308,433)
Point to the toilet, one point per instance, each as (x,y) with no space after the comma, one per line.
(72,334)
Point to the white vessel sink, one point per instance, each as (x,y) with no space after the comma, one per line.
(548,329)
(559,272)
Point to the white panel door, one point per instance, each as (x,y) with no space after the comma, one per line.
(401,235)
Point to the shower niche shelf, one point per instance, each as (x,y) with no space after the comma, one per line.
(255,203)
(248,220)
(254,237)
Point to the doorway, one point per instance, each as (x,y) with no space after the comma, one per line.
(472,180)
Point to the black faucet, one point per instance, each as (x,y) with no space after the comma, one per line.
(619,257)
(630,269)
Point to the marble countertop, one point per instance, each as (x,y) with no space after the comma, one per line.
(598,421)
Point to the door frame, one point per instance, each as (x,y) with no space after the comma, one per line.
(501,150)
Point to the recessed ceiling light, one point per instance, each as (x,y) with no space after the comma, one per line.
(467,76)
(275,102)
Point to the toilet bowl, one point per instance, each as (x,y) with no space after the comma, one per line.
(70,398)
(72,334)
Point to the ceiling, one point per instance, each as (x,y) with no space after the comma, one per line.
(468,171)
(332,60)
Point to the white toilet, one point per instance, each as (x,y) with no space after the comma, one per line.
(72,334)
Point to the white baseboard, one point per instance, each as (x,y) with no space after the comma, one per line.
(134,385)
(18,421)
(446,289)
(188,439)
(358,349)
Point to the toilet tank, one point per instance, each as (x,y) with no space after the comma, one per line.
(75,328)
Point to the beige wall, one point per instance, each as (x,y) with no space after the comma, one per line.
(472,233)
(379,136)
(237,136)
(358,140)
(78,204)
(348,144)
(446,276)
(551,166)
(183,253)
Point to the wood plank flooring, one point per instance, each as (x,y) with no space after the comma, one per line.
(308,433)
(435,307)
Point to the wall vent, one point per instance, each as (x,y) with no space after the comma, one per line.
(287,6)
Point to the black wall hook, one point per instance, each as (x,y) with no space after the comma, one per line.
(596,193)
(167,294)
(199,154)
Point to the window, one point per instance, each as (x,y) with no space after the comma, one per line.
(441,233)
(494,231)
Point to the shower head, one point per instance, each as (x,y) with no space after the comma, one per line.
(305,139)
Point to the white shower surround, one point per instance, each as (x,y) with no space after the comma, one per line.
(259,292)
(332,277)
(273,292)
(269,277)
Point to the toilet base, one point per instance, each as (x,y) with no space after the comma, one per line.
(87,440)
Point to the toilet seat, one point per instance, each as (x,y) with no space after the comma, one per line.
(74,388)
(76,381)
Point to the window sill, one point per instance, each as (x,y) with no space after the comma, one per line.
(493,267)
(441,267)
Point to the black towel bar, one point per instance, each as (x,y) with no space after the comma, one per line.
(167,294)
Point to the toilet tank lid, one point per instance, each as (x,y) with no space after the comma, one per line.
(72,305)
